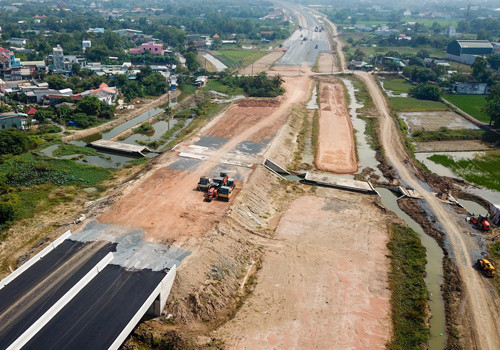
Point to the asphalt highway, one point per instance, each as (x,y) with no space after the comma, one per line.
(31,294)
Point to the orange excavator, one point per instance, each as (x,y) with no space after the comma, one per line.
(481,222)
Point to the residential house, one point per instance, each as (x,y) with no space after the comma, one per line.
(470,88)
(86,44)
(104,93)
(128,32)
(96,30)
(58,59)
(155,49)
(17,41)
(13,120)
(201,81)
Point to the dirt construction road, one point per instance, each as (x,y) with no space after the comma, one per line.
(166,203)
(320,287)
(483,306)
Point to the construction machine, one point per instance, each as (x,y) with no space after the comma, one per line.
(212,193)
(486,266)
(225,193)
(481,222)
(204,183)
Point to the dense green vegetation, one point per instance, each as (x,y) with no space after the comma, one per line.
(68,149)
(408,290)
(14,141)
(144,129)
(256,86)
(471,104)
(482,170)
(410,104)
(27,180)
(445,134)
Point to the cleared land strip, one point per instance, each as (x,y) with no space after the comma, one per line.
(336,151)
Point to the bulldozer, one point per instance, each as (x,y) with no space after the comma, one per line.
(486,266)
(481,222)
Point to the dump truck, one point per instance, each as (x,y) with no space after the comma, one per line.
(204,183)
(481,222)
(486,266)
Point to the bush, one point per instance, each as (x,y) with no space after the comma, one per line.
(14,141)
(426,91)
(6,213)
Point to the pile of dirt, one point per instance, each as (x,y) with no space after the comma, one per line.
(335,150)
(251,102)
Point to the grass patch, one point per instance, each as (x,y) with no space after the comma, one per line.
(304,132)
(481,170)
(409,293)
(445,134)
(215,85)
(67,150)
(410,104)
(403,50)
(362,96)
(471,104)
(187,90)
(238,58)
(397,85)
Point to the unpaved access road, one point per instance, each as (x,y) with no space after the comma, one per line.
(484,307)
(323,283)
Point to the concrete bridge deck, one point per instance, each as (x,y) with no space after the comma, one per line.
(119,147)
(330,180)
(80,294)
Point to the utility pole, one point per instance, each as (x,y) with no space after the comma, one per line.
(252,68)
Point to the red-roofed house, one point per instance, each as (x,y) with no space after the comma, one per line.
(104,93)
(31,111)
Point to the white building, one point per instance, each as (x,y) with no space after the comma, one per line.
(86,44)
(58,58)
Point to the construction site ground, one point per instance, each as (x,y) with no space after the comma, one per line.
(431,121)
(226,243)
(323,282)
